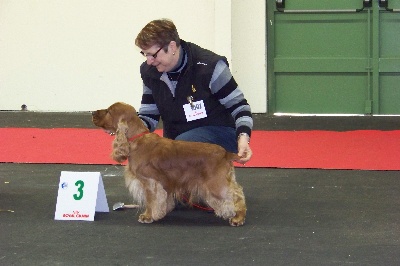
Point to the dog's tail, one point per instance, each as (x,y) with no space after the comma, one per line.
(233,157)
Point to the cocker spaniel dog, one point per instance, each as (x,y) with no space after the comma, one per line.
(161,170)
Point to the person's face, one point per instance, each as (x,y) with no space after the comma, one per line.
(163,61)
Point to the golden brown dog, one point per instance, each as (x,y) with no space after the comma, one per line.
(161,170)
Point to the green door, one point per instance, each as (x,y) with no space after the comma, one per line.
(333,57)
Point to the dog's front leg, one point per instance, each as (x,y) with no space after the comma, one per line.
(156,202)
(146,218)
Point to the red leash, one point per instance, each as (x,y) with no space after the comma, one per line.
(208,209)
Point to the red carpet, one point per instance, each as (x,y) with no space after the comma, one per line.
(361,149)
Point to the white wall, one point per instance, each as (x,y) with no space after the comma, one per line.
(249,54)
(79,55)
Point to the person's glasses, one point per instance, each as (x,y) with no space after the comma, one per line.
(152,55)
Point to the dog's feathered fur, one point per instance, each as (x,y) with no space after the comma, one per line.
(161,170)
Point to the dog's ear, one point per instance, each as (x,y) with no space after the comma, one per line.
(122,126)
(120,144)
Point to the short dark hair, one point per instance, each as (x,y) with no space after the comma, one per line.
(157,32)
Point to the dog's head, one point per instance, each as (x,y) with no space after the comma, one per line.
(110,118)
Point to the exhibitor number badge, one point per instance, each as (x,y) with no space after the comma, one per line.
(195,110)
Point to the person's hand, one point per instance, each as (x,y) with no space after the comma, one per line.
(245,152)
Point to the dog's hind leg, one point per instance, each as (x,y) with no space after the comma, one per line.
(240,205)
(156,202)
(224,207)
(219,196)
(238,200)
(229,202)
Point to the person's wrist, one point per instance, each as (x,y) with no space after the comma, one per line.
(244,135)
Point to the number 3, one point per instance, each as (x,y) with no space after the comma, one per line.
(80,184)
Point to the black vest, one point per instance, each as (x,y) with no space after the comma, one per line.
(193,82)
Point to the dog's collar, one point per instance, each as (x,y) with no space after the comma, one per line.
(137,136)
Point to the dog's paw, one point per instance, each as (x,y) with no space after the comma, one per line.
(144,219)
(236,221)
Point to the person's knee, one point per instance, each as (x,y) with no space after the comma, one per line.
(223,137)
(190,136)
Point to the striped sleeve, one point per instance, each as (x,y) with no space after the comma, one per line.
(225,88)
(148,110)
